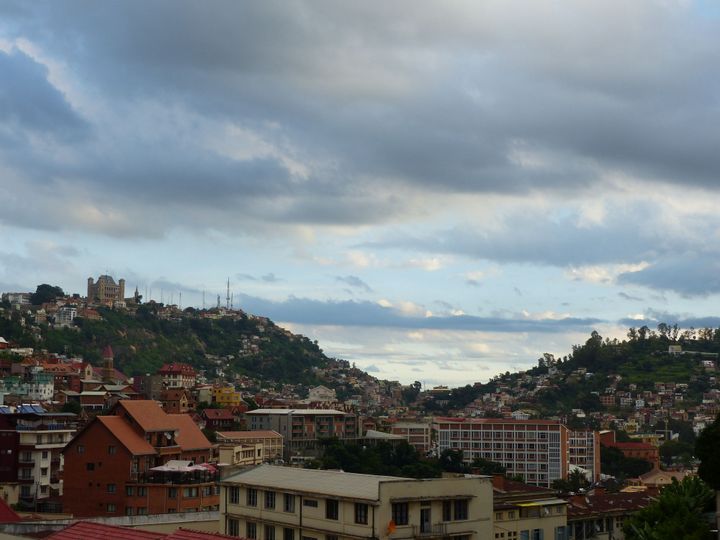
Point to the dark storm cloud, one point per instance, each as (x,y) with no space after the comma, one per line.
(29,103)
(354,281)
(683,320)
(459,98)
(687,274)
(360,313)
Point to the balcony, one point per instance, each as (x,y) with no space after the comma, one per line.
(428,530)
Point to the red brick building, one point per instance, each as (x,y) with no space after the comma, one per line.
(639,450)
(119,464)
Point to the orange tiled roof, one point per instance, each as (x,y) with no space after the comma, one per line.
(148,414)
(127,436)
(86,530)
(189,437)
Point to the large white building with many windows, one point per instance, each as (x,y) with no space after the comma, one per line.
(536,450)
(286,503)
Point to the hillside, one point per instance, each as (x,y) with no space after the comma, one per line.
(143,340)
(635,364)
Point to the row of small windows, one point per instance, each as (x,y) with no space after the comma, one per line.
(251,532)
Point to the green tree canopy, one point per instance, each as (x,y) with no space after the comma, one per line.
(46,293)
(707,450)
(677,513)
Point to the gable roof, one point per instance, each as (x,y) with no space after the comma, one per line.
(126,435)
(148,414)
(189,436)
(218,414)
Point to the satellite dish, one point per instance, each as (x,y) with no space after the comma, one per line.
(168,436)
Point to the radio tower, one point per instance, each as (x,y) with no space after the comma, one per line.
(227,298)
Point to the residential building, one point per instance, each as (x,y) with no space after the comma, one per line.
(271,441)
(31,440)
(105,291)
(217,419)
(241,455)
(536,450)
(177,375)
(175,401)
(149,386)
(321,394)
(272,503)
(417,434)
(302,428)
(34,385)
(641,450)
(226,396)
(524,512)
(600,514)
(584,452)
(125,463)
(65,315)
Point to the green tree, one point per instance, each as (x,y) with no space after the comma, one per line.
(485,466)
(575,481)
(46,293)
(706,450)
(676,513)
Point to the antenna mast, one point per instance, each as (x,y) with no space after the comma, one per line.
(227,298)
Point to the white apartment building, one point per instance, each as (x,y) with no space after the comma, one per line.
(537,450)
(286,503)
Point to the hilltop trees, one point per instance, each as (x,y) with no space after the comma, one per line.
(46,293)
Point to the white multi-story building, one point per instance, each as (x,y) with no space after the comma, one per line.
(537,450)
(584,452)
(287,503)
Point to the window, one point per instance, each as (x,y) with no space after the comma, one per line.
(89,466)
(524,535)
(44,454)
(269,532)
(331,537)
(400,513)
(111,507)
(461,509)
(172,493)
(233,527)
(129,491)
(447,510)
(129,511)
(361,513)
(142,491)
(289,502)
(537,534)
(331,509)
(111,488)
(141,511)
(112,449)
(251,497)
(251,530)
(312,503)
(269,499)
(190,492)
(80,449)
(44,471)
(288,534)
(234,495)
(561,533)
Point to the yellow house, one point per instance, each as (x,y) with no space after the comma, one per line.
(227,396)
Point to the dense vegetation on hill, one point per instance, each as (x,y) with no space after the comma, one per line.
(642,359)
(143,341)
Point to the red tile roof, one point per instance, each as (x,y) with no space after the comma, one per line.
(147,413)
(126,435)
(218,414)
(86,530)
(7,514)
(189,437)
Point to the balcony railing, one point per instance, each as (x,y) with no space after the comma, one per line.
(428,530)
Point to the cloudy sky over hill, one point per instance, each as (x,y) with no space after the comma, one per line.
(437,190)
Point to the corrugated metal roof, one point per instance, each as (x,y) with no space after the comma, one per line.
(332,483)
(86,530)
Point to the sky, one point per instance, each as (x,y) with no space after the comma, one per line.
(436,191)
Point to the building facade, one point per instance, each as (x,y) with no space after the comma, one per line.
(125,463)
(303,428)
(271,441)
(584,452)
(105,291)
(31,441)
(177,375)
(274,503)
(536,450)
(417,434)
